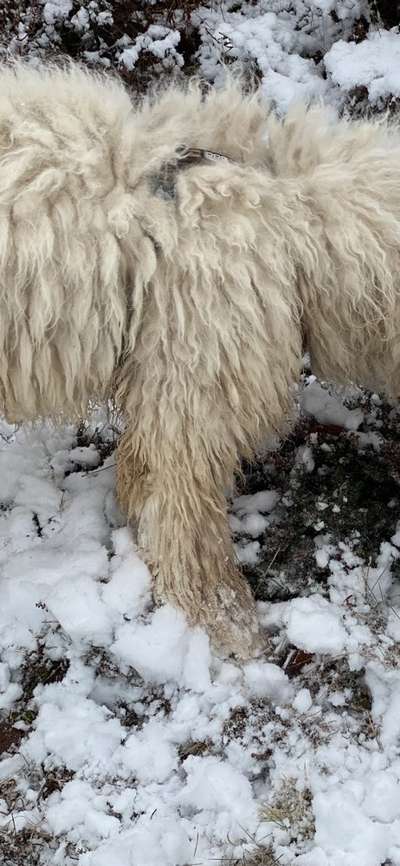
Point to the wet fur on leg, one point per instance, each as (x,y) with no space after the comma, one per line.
(183,535)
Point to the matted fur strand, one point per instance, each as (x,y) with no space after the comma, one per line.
(187,303)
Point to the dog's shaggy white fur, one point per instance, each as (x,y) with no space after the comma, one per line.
(187,300)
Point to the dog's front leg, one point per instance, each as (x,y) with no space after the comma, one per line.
(176,494)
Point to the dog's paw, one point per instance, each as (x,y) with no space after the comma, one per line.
(230,618)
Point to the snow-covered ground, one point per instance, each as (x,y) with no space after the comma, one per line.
(125,741)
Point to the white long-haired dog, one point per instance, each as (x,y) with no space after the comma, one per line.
(137,267)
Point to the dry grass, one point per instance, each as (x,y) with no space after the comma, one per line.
(23,848)
(291,809)
(260,857)
(31,845)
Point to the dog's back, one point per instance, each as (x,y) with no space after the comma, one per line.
(79,228)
